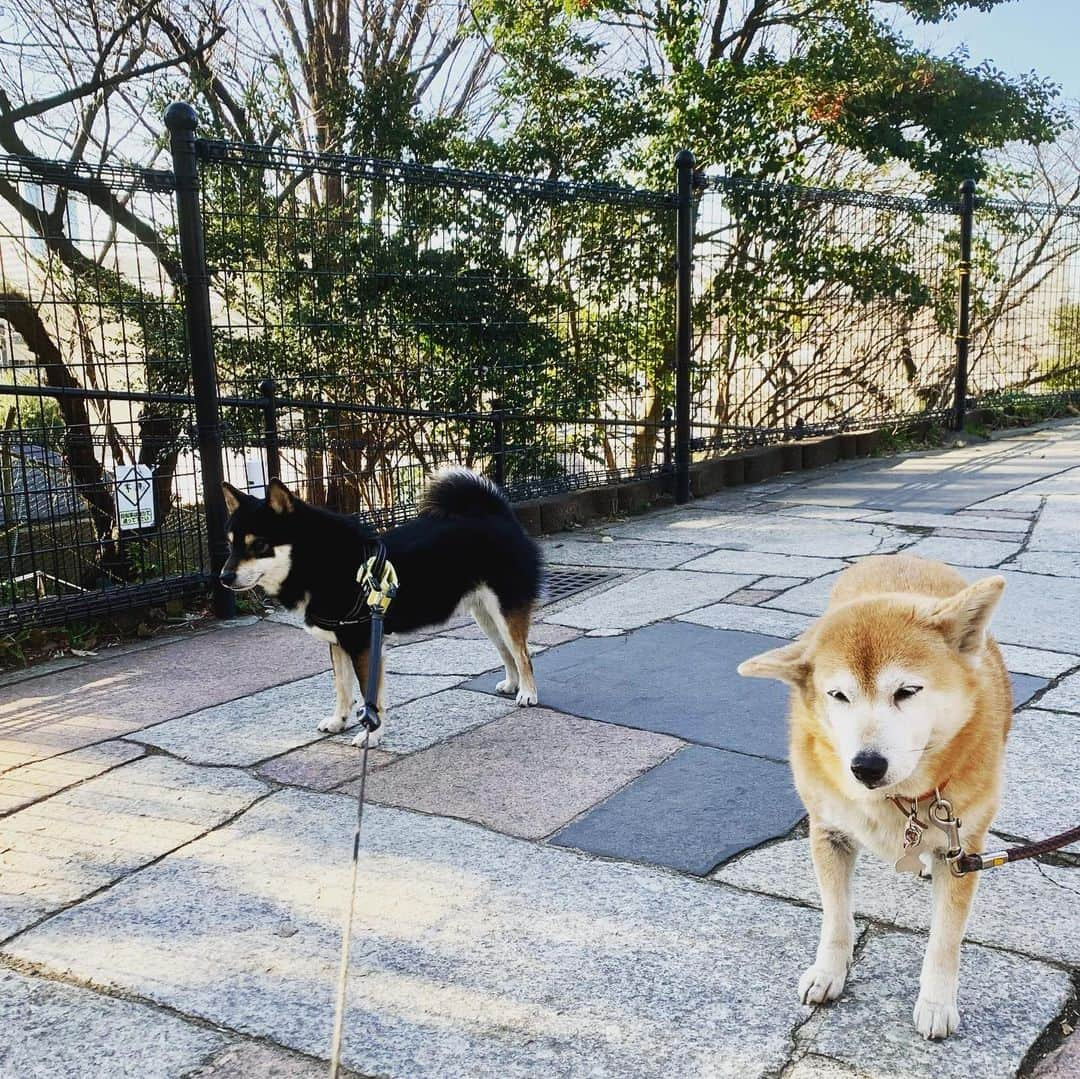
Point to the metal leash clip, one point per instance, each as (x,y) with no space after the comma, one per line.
(941,815)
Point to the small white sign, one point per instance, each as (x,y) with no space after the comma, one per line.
(134,496)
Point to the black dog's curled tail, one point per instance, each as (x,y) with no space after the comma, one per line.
(460,492)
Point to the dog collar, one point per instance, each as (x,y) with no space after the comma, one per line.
(911,808)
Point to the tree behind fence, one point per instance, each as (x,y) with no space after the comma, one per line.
(408,316)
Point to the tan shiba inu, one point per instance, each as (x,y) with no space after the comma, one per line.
(896,692)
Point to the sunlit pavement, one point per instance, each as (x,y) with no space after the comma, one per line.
(615,883)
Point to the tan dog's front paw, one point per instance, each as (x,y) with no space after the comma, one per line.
(333,724)
(820,984)
(935,1018)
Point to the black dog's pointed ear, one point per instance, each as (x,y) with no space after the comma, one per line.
(232,497)
(279,497)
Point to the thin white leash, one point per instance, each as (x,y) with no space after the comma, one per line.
(346,940)
(379,578)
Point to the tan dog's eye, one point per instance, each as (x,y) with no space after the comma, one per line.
(905,693)
(838,696)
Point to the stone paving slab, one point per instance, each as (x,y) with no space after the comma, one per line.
(545,633)
(697,808)
(1037,661)
(427,720)
(1058,525)
(619,554)
(1065,696)
(476,954)
(1052,563)
(322,765)
(248,1060)
(762,563)
(977,553)
(765,620)
(271,722)
(1005,1002)
(1062,1063)
(941,481)
(1042,782)
(1027,907)
(56,851)
(648,598)
(525,774)
(1035,611)
(768,533)
(447,655)
(40,779)
(113,697)
(53,1030)
(971,525)
(684,683)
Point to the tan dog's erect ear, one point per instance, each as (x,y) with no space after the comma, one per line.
(963,618)
(232,497)
(279,497)
(787,664)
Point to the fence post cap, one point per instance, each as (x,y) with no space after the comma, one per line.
(181,116)
(684,159)
(267,387)
(967,187)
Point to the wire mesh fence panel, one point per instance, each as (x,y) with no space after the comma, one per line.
(412,316)
(1025,339)
(817,311)
(95,388)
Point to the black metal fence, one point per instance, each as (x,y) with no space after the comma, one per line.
(350,324)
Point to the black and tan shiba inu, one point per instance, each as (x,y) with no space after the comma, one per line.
(899,698)
(464,550)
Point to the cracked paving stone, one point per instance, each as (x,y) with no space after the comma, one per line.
(52,1030)
(61,849)
(267,724)
(476,954)
(1012,909)
(1006,1001)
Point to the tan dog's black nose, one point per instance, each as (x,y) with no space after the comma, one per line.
(869,768)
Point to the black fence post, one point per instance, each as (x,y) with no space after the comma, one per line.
(963,319)
(498,443)
(270,431)
(669,419)
(684,255)
(181,121)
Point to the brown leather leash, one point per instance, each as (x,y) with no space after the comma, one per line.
(972,863)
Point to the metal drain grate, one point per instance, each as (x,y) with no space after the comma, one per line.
(562,583)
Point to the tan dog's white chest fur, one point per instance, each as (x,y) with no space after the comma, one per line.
(895,692)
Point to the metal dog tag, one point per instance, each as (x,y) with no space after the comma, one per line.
(913,833)
(912,862)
